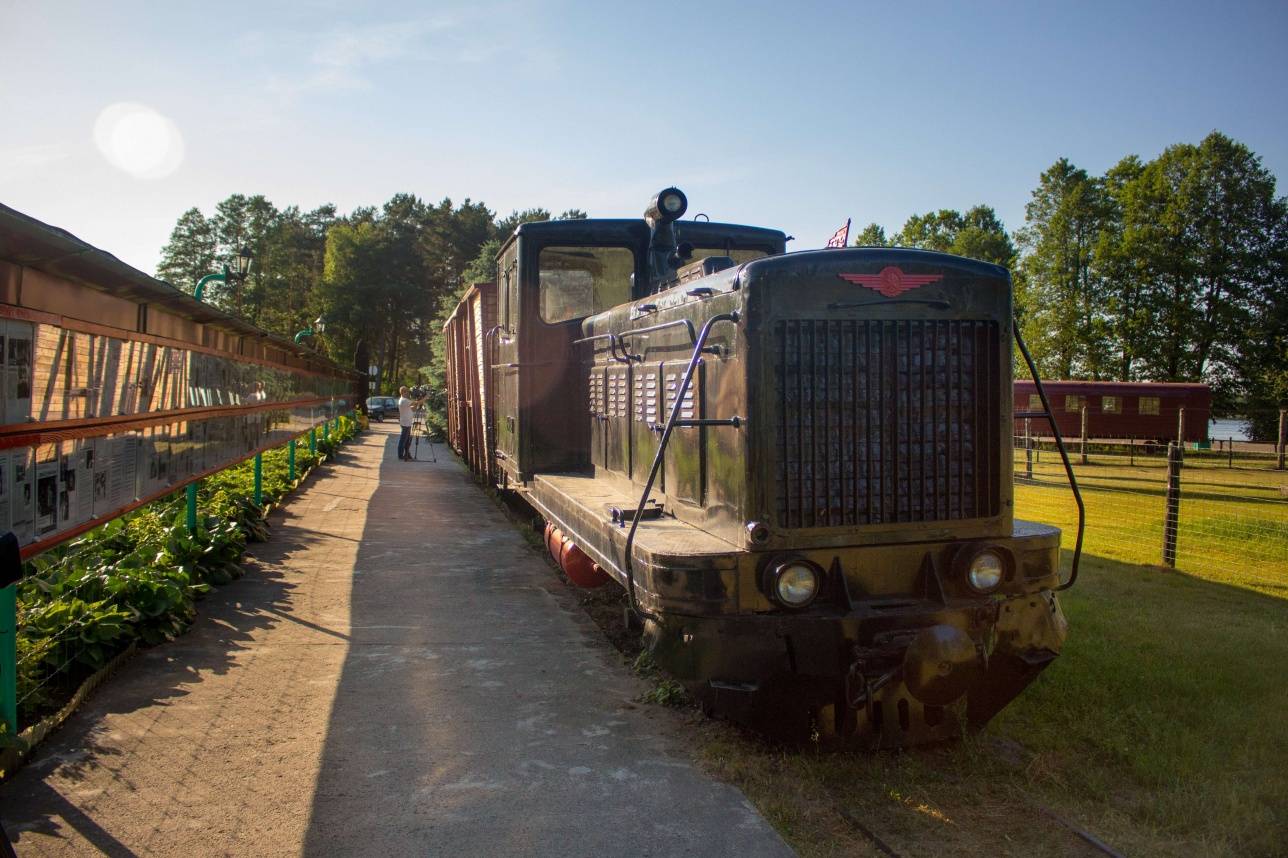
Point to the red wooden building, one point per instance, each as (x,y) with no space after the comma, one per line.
(1121,409)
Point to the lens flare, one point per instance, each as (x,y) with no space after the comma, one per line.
(138,140)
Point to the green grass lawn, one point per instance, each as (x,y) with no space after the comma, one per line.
(1233,522)
(1162,728)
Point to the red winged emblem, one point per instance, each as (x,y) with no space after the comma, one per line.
(891,282)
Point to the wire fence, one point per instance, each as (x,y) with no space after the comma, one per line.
(1230,506)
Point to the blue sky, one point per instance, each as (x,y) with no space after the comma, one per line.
(787,115)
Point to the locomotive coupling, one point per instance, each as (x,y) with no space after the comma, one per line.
(940,665)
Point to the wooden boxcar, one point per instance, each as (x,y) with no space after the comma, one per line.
(1144,410)
(467,335)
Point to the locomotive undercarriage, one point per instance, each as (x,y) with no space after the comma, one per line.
(895,651)
(889,673)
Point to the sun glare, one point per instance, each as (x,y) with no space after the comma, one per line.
(138,140)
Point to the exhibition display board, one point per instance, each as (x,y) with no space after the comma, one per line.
(119,388)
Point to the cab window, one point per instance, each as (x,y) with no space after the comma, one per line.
(580,281)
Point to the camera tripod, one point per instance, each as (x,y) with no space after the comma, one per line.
(420,428)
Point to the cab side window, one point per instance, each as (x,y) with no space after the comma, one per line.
(580,281)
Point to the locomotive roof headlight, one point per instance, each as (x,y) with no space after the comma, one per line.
(793,583)
(986,571)
(669,204)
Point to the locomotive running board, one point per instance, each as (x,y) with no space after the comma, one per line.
(1046,414)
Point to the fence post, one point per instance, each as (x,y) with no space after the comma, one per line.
(1028,450)
(1180,426)
(290,461)
(192,507)
(1229,446)
(9,657)
(326,431)
(259,479)
(1172,516)
(1283,436)
(1084,433)
(313,439)
(1131,452)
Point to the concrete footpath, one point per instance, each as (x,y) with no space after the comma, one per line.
(397,674)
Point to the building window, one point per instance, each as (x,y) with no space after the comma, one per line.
(1035,402)
(1073,402)
(1111,404)
(1149,405)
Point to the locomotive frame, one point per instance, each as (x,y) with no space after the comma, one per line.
(799,474)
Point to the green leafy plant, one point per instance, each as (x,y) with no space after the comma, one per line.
(138,578)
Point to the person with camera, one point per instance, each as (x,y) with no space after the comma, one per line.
(405,406)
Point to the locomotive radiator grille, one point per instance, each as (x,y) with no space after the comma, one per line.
(883,422)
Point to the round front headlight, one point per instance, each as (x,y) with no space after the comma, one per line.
(672,203)
(795,583)
(986,571)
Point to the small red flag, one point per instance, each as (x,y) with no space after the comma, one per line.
(841,236)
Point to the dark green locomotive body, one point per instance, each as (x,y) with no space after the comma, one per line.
(828,540)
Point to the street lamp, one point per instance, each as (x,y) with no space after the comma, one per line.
(317,327)
(241,268)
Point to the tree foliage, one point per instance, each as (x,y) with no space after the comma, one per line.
(381,277)
(872,235)
(977,234)
(1167,270)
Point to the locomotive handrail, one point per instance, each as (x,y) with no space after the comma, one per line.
(613,344)
(674,323)
(671,421)
(1064,454)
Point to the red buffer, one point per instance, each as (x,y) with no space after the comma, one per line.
(579,568)
(554,543)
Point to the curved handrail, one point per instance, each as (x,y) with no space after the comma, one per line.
(1064,456)
(627,565)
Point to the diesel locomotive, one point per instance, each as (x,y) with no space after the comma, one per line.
(797,465)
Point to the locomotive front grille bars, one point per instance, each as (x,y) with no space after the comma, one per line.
(882,422)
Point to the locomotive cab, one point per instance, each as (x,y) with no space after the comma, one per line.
(797,465)
(551,276)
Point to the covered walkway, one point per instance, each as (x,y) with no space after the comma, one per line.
(397,674)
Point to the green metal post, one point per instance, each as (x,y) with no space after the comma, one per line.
(200,291)
(290,461)
(192,507)
(259,479)
(313,439)
(326,431)
(9,657)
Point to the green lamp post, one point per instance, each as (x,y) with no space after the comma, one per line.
(237,273)
(241,268)
(317,327)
